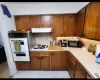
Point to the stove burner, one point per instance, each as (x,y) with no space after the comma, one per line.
(42,47)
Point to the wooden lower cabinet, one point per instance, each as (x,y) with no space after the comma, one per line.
(22,65)
(58,61)
(80,72)
(88,76)
(71,66)
(48,60)
(35,63)
(40,61)
(45,63)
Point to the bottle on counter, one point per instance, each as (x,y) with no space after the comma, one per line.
(55,42)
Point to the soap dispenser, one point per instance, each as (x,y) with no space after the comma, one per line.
(97,54)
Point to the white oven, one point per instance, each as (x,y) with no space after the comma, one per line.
(23,54)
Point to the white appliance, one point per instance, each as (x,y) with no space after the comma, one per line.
(40,30)
(23,54)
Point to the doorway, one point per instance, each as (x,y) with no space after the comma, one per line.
(4,70)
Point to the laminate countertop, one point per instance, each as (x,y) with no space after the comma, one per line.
(84,57)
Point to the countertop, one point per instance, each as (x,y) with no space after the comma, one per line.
(86,58)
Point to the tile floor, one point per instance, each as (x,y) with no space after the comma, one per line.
(41,74)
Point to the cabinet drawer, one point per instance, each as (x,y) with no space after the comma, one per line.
(22,65)
(34,54)
(44,54)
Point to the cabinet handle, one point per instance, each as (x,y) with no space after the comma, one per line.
(52,54)
(38,57)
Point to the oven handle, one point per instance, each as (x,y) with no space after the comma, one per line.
(19,52)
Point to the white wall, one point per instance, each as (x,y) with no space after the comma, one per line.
(7,24)
(32,8)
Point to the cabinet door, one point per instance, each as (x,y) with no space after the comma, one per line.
(92,12)
(88,76)
(46,21)
(35,21)
(23,65)
(79,22)
(22,22)
(35,63)
(71,68)
(80,72)
(57,25)
(58,61)
(69,24)
(45,63)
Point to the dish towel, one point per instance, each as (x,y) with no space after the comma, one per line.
(17,45)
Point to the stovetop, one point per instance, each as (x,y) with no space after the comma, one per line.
(40,47)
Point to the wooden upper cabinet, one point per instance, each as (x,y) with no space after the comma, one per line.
(92,21)
(69,24)
(35,21)
(38,21)
(46,21)
(22,22)
(79,22)
(57,25)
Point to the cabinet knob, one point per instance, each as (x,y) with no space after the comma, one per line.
(38,57)
(52,53)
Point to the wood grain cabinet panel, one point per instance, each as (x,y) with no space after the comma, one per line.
(69,25)
(88,76)
(46,21)
(35,21)
(35,60)
(35,63)
(22,22)
(57,25)
(80,72)
(22,65)
(45,63)
(79,23)
(58,61)
(92,21)
(71,67)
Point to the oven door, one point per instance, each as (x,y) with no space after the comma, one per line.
(23,54)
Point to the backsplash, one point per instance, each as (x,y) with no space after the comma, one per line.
(40,38)
(86,42)
(43,38)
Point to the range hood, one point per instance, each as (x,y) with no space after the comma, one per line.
(40,30)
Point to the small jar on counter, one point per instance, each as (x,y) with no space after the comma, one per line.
(51,43)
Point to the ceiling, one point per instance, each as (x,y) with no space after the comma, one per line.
(33,8)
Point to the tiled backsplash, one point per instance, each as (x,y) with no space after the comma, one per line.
(41,38)
(45,38)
